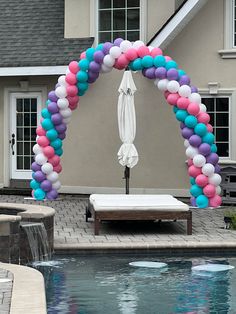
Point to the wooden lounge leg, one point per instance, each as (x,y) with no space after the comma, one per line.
(96,225)
(189,224)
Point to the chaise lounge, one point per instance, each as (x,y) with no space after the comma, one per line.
(105,207)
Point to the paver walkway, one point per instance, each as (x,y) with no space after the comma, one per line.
(6,278)
(72,232)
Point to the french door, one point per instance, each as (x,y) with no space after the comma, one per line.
(24,116)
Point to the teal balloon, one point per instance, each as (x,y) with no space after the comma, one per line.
(82,76)
(99,47)
(175,109)
(83,64)
(190,121)
(48,102)
(147,61)
(34,184)
(213,148)
(57,143)
(202,201)
(209,138)
(47,124)
(181,73)
(39,194)
(159,61)
(181,115)
(171,64)
(137,64)
(52,134)
(59,151)
(45,113)
(200,129)
(195,190)
(83,86)
(90,53)
(192,180)
(81,92)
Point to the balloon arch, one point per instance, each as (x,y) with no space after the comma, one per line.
(203,167)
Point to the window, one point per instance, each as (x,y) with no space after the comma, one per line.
(118,18)
(219,110)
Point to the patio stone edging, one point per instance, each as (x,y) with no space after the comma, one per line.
(28,292)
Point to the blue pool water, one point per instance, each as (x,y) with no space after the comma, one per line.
(107,284)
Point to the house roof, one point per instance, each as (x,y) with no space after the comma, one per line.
(176,23)
(32,34)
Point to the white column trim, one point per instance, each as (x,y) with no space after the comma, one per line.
(26,71)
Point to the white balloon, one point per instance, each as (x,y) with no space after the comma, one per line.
(173,86)
(215,179)
(66,120)
(66,113)
(186,143)
(68,70)
(184,91)
(105,68)
(191,151)
(150,48)
(195,97)
(218,190)
(115,52)
(56,185)
(125,45)
(199,160)
(162,84)
(40,159)
(62,80)
(109,61)
(138,43)
(37,149)
(208,169)
(156,82)
(203,108)
(62,103)
(53,176)
(60,91)
(47,168)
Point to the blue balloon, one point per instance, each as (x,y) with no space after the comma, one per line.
(48,102)
(159,61)
(59,151)
(208,138)
(81,92)
(200,129)
(202,201)
(34,184)
(190,121)
(175,109)
(213,148)
(52,134)
(89,53)
(83,64)
(99,47)
(47,124)
(181,115)
(192,180)
(137,64)
(45,113)
(82,76)
(39,194)
(181,72)
(171,64)
(83,86)
(147,61)
(57,143)
(196,190)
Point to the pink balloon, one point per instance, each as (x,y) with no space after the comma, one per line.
(74,67)
(209,128)
(71,78)
(203,117)
(32,193)
(168,58)
(156,52)
(49,151)
(166,93)
(194,171)
(83,55)
(73,100)
(55,160)
(72,90)
(122,62)
(172,99)
(131,54)
(183,103)
(43,141)
(74,106)
(40,131)
(190,162)
(215,201)
(57,168)
(143,51)
(209,190)
(193,109)
(201,180)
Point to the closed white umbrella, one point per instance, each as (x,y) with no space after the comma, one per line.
(127,154)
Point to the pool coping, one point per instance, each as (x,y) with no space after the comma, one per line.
(28,292)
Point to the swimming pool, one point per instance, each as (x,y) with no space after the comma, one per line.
(99,284)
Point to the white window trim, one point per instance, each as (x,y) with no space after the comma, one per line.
(231,93)
(6,123)
(94,20)
(229,51)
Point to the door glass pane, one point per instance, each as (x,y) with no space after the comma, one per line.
(26,105)
(26,134)
(19,162)
(133,3)
(33,134)
(33,104)
(133,19)
(19,119)
(104,4)
(27,148)
(132,36)
(19,148)
(222,134)
(19,134)
(222,119)
(27,119)
(118,35)
(222,104)
(119,19)
(104,36)
(19,105)
(33,119)
(118,3)
(105,20)
(27,163)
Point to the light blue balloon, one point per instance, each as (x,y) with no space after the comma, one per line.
(52,134)
(82,76)
(175,109)
(190,121)
(192,180)
(47,124)
(195,190)
(89,53)
(48,102)
(181,115)
(137,64)
(39,194)
(34,184)
(181,72)
(59,151)
(171,64)
(83,86)
(57,143)
(202,201)
(209,138)
(99,47)
(159,61)
(45,113)
(200,129)
(81,92)
(213,148)
(83,64)
(147,61)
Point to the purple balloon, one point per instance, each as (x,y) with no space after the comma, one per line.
(213,158)
(53,108)
(91,80)
(46,185)
(52,96)
(62,136)
(187,132)
(193,201)
(194,89)
(172,74)
(39,176)
(35,167)
(61,128)
(56,118)
(195,140)
(93,75)
(149,73)
(52,195)
(118,41)
(184,80)
(182,125)
(94,66)
(98,56)
(160,73)
(106,47)
(204,149)
(217,169)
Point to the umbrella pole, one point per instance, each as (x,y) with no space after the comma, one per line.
(127,176)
